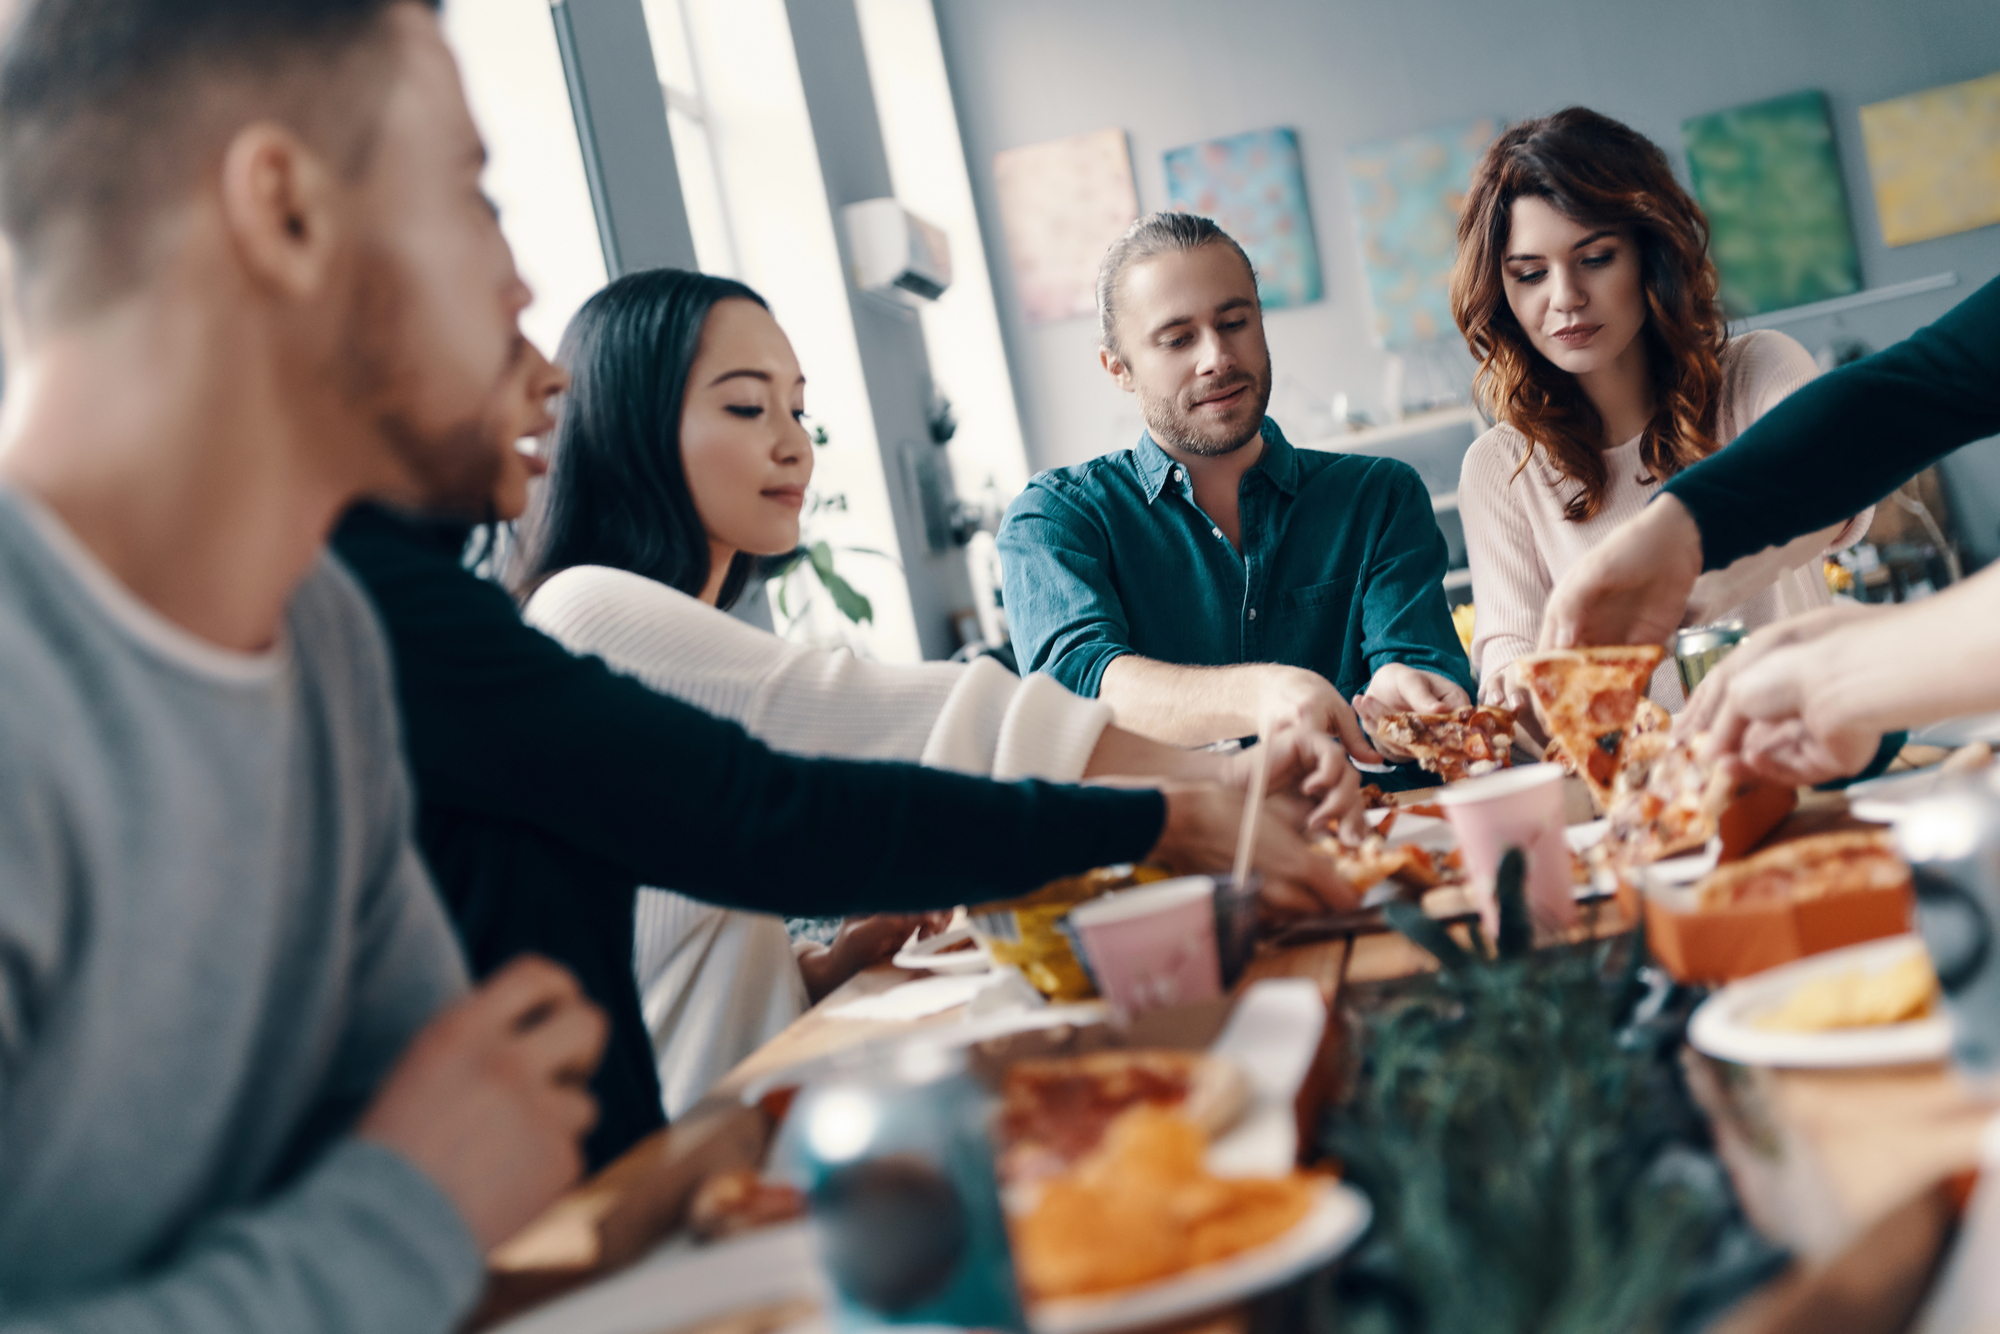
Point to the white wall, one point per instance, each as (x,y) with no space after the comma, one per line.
(1173,72)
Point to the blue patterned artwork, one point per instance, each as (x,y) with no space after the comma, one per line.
(1407,196)
(1252,186)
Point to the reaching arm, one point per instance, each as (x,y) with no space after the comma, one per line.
(1852,436)
(1510,580)
(1197,705)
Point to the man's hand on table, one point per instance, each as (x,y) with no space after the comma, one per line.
(862,942)
(1200,837)
(491,1099)
(1301,698)
(1633,587)
(1399,688)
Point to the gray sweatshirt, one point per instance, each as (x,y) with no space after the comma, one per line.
(215,940)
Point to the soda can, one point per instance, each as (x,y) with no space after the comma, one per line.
(896,1161)
(1951,839)
(1698,648)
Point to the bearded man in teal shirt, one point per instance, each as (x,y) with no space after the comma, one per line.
(1212,579)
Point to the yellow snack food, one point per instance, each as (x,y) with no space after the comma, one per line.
(1854,999)
(1023,932)
(1461,621)
(1142,1207)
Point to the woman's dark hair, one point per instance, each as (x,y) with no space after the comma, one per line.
(1598,173)
(616,492)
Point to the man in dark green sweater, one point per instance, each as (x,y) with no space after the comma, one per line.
(1807,700)
(1213,578)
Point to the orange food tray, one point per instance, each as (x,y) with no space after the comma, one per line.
(1723,944)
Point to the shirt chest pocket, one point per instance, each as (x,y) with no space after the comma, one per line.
(1333,593)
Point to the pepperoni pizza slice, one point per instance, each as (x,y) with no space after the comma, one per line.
(1462,743)
(1591,698)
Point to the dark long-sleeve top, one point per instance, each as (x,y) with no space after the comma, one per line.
(550,788)
(1850,437)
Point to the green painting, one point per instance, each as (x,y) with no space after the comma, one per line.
(1769,180)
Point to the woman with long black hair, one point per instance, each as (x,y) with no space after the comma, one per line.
(679,461)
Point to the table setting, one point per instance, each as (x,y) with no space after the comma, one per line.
(1720,1065)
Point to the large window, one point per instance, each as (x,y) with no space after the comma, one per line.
(689,121)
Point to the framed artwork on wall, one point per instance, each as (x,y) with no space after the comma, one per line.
(1769,180)
(1934,160)
(1407,196)
(1062,204)
(1254,187)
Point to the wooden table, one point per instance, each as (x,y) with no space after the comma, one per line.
(1818,1157)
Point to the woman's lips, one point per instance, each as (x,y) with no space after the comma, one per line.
(795,496)
(1577,335)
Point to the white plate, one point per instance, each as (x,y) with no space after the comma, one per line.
(1724,1025)
(1336,1220)
(923,956)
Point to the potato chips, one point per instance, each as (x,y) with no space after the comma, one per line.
(1142,1207)
(1854,999)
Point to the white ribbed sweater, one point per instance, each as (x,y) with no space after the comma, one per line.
(715,983)
(1519,544)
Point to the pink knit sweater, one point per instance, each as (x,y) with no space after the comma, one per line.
(1519,542)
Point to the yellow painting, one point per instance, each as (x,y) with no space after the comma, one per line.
(1935,160)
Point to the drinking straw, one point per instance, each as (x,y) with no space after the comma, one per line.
(1253,803)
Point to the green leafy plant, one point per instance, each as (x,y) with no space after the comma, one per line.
(1523,1152)
(811,565)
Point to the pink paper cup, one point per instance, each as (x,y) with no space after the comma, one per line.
(1153,946)
(1515,808)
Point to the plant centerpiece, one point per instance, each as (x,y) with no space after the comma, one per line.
(1533,1160)
(799,577)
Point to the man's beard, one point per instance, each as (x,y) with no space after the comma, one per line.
(1174,425)
(449,470)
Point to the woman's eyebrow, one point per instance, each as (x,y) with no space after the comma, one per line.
(1594,237)
(744,374)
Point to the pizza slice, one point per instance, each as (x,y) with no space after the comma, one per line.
(1590,698)
(1054,1110)
(1374,860)
(1462,743)
(1817,866)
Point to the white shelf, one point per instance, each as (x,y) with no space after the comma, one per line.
(1447,501)
(1872,296)
(1421,423)
(1455,579)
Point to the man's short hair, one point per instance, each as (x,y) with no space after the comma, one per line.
(1154,234)
(110,109)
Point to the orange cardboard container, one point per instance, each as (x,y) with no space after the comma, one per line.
(1723,944)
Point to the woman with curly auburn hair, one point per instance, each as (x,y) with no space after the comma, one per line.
(1584,287)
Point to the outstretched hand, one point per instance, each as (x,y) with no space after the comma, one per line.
(1399,688)
(1306,774)
(1200,836)
(1633,587)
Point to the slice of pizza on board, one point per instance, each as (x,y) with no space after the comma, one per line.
(1590,699)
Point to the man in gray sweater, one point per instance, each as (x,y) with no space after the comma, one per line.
(242,1084)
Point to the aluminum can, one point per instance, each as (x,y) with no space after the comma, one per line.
(1951,838)
(1698,648)
(896,1160)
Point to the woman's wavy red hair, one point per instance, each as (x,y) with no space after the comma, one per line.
(1598,173)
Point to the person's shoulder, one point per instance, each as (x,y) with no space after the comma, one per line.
(1761,355)
(1358,475)
(1494,458)
(1079,493)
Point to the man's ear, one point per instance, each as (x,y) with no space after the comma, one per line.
(279,205)
(1115,368)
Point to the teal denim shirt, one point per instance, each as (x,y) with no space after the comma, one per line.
(1341,570)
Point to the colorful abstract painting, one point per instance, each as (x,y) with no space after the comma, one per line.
(1407,196)
(1769,180)
(1252,185)
(1062,204)
(1934,158)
